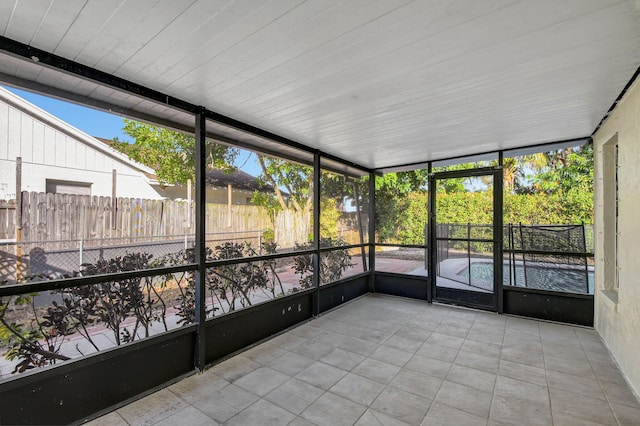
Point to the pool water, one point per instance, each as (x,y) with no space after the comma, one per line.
(565,278)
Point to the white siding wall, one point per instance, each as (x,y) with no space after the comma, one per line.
(48,153)
(617,312)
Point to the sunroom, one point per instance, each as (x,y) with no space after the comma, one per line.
(399,271)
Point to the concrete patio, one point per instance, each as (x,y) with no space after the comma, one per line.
(383,360)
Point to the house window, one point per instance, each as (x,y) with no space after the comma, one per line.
(68,187)
(611,197)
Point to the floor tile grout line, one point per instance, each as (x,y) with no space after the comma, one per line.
(368,407)
(606,396)
(493,394)
(546,375)
(447,373)
(549,334)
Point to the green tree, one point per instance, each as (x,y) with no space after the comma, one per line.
(170,153)
(515,169)
(292,185)
(400,201)
(568,170)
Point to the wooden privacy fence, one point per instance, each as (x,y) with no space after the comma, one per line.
(65,217)
(7,216)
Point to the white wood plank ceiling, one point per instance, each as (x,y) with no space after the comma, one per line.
(376,82)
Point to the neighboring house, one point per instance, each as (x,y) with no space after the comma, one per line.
(235,187)
(59,158)
(222,187)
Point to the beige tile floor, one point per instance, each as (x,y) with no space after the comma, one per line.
(383,360)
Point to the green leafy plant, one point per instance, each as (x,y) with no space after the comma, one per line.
(331,266)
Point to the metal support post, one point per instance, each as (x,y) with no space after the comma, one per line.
(498,233)
(200,241)
(431,242)
(316,233)
(372,231)
(356,195)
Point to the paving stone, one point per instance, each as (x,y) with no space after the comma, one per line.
(391,355)
(525,391)
(477,379)
(111,419)
(514,411)
(443,415)
(321,375)
(294,395)
(264,353)
(358,389)
(189,416)
(225,403)
(262,413)
(586,385)
(429,366)
(464,398)
(433,350)
(153,408)
(234,368)
(312,349)
(413,333)
(376,418)
(523,372)
(198,386)
(477,361)
(342,359)
(401,405)
(523,356)
(379,371)
(620,393)
(581,407)
(290,363)
(540,374)
(483,348)
(333,410)
(626,415)
(262,381)
(445,340)
(404,344)
(417,383)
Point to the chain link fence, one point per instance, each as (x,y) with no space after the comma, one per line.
(51,259)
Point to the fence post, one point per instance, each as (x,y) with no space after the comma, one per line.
(260,241)
(114,200)
(512,257)
(586,259)
(18,219)
(469,249)
(524,261)
(426,246)
(81,252)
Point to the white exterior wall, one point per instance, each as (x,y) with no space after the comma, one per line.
(617,312)
(51,152)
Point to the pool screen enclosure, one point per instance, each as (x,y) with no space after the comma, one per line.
(459,248)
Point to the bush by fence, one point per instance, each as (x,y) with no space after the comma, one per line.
(75,226)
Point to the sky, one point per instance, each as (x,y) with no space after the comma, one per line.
(106,125)
(90,121)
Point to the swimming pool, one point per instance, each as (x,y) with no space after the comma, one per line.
(566,278)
